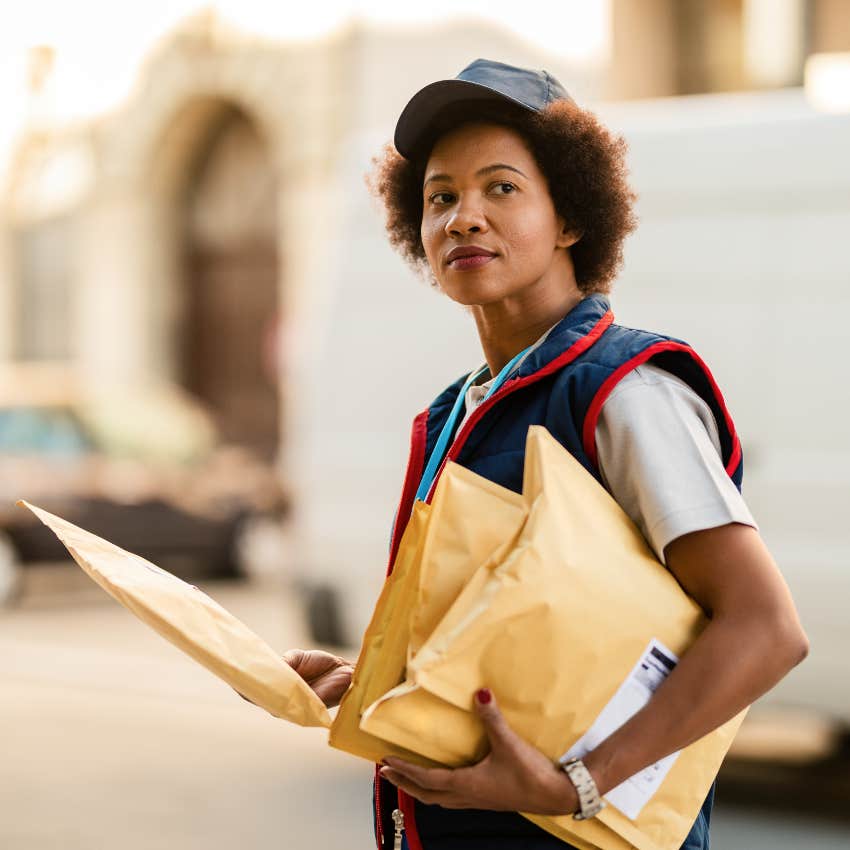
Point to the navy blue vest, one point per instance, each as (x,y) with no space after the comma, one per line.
(562,385)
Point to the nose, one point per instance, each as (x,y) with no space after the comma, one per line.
(467,217)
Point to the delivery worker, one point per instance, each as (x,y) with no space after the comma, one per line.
(514,202)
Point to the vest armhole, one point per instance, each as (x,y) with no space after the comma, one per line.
(693,370)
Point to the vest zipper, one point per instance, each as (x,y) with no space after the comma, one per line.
(398,820)
(415,464)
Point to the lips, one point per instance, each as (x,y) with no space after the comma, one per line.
(462,256)
(468,251)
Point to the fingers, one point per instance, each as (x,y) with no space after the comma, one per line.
(430,796)
(310,664)
(407,785)
(293,657)
(331,688)
(328,675)
(314,662)
(429,778)
(497,728)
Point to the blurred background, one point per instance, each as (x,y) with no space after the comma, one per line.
(210,355)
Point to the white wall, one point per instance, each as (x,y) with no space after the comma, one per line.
(741,251)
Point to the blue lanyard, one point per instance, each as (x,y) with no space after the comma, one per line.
(443,440)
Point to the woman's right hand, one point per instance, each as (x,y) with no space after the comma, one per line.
(328,675)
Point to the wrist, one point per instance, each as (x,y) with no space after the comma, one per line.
(590,801)
(597,763)
(560,795)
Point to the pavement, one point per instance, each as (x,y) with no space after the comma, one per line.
(112,738)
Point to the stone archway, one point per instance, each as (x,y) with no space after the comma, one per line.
(228,264)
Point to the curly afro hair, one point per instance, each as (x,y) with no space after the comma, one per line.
(584,165)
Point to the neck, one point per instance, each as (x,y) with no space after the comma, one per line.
(508,326)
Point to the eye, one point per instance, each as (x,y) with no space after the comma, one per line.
(505,183)
(433,198)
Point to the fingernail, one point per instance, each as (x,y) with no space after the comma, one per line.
(483,696)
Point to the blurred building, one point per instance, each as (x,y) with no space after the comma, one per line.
(681,47)
(190,234)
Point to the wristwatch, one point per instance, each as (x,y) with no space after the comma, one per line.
(590,803)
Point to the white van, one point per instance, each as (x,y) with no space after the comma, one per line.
(742,250)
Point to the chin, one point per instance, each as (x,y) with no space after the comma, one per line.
(475,293)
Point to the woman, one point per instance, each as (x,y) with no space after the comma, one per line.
(516,202)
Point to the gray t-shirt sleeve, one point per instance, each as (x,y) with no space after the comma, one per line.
(659,456)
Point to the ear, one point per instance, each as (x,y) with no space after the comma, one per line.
(567,235)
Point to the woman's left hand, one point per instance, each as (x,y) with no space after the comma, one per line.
(514,776)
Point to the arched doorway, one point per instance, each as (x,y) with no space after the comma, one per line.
(230,266)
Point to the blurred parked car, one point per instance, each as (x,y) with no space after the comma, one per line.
(142,468)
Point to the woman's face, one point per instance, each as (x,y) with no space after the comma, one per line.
(483,188)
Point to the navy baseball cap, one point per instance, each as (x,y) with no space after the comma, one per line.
(483,79)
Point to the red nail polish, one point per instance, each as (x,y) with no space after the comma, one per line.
(484,696)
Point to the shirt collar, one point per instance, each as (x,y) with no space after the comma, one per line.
(575,325)
(578,322)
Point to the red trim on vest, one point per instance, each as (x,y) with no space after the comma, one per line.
(577,348)
(379,827)
(415,464)
(407,804)
(593,411)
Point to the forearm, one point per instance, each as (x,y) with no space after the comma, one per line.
(732,663)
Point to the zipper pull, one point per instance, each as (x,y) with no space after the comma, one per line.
(398,819)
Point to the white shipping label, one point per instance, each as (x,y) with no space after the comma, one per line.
(655,664)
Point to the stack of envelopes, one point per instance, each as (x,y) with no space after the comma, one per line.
(553,600)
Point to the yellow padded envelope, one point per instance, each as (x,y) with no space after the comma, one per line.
(555,629)
(193,622)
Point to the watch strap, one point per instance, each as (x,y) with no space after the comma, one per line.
(590,802)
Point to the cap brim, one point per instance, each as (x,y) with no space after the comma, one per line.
(425,105)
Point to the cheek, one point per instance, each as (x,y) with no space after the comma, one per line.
(429,233)
(528,235)
(425,234)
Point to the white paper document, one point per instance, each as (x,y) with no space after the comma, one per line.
(653,667)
